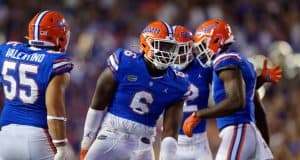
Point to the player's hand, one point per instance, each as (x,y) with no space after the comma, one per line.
(60,153)
(271,74)
(86,143)
(190,123)
(83,153)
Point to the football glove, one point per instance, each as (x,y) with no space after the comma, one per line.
(271,74)
(83,153)
(190,123)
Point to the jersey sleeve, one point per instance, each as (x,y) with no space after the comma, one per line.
(114,63)
(227,61)
(62,64)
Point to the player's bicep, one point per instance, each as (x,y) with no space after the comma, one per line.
(55,94)
(172,119)
(233,84)
(105,89)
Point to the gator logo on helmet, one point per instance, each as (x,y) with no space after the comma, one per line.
(151,30)
(185,35)
(209,28)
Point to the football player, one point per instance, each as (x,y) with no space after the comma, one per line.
(234,84)
(34,78)
(200,76)
(131,94)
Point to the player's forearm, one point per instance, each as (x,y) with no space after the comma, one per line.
(91,126)
(172,120)
(171,129)
(57,129)
(170,133)
(260,117)
(259,82)
(56,118)
(262,126)
(224,108)
(57,122)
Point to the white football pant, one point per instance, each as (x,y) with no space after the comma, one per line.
(193,148)
(21,142)
(243,142)
(122,139)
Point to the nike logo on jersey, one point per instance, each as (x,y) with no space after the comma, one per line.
(165,90)
(199,76)
(88,135)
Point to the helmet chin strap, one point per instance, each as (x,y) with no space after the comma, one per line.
(154,70)
(156,64)
(182,66)
(160,67)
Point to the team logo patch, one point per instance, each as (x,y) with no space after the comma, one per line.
(102,137)
(145,140)
(132,78)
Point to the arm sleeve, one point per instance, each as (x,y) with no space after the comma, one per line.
(226,61)
(61,65)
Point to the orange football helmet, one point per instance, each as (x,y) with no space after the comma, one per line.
(210,39)
(158,44)
(184,40)
(49,29)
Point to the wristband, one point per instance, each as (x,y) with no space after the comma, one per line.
(56,118)
(60,140)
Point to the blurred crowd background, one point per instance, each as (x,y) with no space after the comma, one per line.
(98,27)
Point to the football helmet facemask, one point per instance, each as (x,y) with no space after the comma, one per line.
(158,44)
(184,40)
